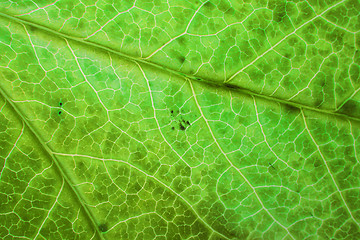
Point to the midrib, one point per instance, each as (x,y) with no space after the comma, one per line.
(179,73)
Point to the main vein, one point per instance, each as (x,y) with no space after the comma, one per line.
(175,72)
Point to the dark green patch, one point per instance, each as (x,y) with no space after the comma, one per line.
(136,187)
(246,121)
(317,163)
(103,227)
(182,41)
(291,108)
(138,155)
(9,74)
(230,11)
(223,6)
(321,82)
(355,73)
(288,55)
(318,102)
(209,5)
(32,28)
(181,59)
(350,108)
(349,151)
(279,13)
(271,5)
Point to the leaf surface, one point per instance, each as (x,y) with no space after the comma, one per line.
(179,120)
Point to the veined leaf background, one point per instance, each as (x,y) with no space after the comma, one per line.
(145,119)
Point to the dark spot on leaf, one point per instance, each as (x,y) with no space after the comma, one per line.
(287,55)
(60,112)
(182,128)
(172,111)
(181,59)
(173,128)
(232,86)
(291,108)
(32,28)
(103,227)
(272,166)
(317,163)
(188,123)
(60,104)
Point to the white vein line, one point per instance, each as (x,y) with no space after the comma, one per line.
(93,236)
(225,155)
(133,217)
(348,99)
(229,25)
(193,16)
(181,34)
(352,135)
(338,26)
(39,8)
(12,149)
(327,167)
(37,57)
(263,133)
(47,216)
(311,79)
(157,122)
(272,47)
(328,20)
(107,111)
(78,64)
(149,176)
(110,20)
(112,180)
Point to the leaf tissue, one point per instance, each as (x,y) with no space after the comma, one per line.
(218,119)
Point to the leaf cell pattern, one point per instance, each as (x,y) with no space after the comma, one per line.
(179,120)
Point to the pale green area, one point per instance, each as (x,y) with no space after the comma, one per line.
(179,120)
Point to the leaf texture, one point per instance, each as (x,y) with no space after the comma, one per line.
(179,120)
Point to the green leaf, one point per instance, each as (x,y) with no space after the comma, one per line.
(179,120)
